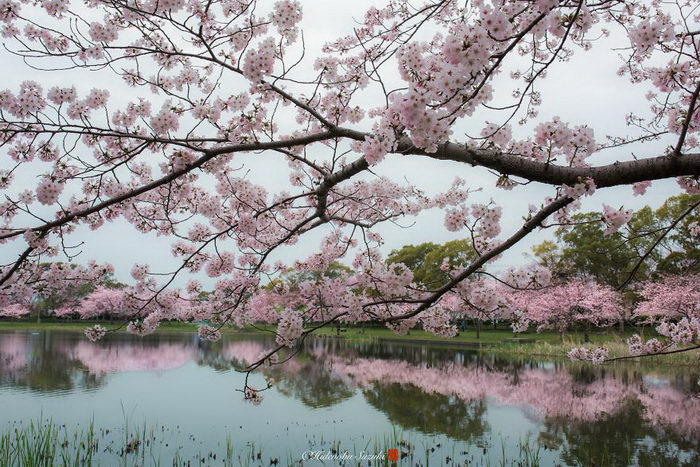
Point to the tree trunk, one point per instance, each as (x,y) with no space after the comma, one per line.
(478,329)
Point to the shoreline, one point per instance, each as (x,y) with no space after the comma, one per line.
(546,344)
(489,337)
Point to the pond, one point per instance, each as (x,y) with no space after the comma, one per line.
(436,405)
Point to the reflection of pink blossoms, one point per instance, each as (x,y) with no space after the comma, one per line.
(13,354)
(244,351)
(541,392)
(107,357)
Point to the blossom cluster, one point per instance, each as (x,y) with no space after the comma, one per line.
(16,310)
(96,332)
(615,218)
(290,328)
(582,354)
(259,62)
(286,15)
(209,333)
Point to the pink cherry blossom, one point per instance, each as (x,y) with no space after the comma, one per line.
(615,218)
(96,332)
(14,311)
(563,306)
(209,333)
(289,329)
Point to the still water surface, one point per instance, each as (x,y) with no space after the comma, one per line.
(452,405)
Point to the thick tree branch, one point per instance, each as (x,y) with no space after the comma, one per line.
(618,173)
(615,174)
(686,123)
(333,179)
(16,265)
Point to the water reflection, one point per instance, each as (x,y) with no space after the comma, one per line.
(49,361)
(613,415)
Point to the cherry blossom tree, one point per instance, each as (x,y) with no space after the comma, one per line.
(211,81)
(14,311)
(561,307)
(673,304)
(103,302)
(671,298)
(479,300)
(51,287)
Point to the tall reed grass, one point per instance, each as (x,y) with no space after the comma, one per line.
(45,443)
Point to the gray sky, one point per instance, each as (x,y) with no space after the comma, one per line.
(585,90)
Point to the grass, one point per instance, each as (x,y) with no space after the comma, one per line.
(45,443)
(420,453)
(40,444)
(488,336)
(615,349)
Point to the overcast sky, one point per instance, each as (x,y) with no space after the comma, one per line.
(585,90)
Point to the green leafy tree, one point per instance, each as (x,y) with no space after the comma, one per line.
(665,243)
(293,278)
(425,260)
(681,246)
(587,253)
(410,408)
(547,254)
